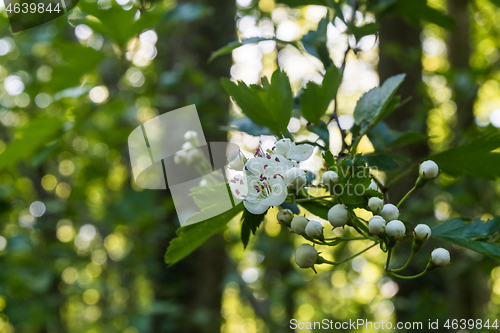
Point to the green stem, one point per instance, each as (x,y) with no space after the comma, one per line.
(409,277)
(346,239)
(405,265)
(349,258)
(315,198)
(389,254)
(407,195)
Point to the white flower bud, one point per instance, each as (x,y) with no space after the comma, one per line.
(285,216)
(187,146)
(298,224)
(295,178)
(376,225)
(204,183)
(236,160)
(375,205)
(338,215)
(306,256)
(283,146)
(422,232)
(329,178)
(373,186)
(389,212)
(190,136)
(395,229)
(180,157)
(314,229)
(440,257)
(429,169)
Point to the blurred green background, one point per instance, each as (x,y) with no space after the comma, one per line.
(82,248)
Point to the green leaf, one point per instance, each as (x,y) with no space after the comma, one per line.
(251,222)
(300,3)
(382,137)
(315,98)
(246,125)
(329,159)
(354,177)
(382,161)
(362,31)
(190,237)
(315,42)
(28,140)
(206,197)
(474,158)
(477,236)
(375,101)
(269,105)
(316,208)
(107,21)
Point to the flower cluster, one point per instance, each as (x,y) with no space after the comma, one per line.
(267,179)
(385,227)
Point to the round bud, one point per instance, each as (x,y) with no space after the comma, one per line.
(295,178)
(204,183)
(429,169)
(389,212)
(190,136)
(314,229)
(338,215)
(395,229)
(375,205)
(376,225)
(329,178)
(298,225)
(187,146)
(422,232)
(285,216)
(306,256)
(440,257)
(180,157)
(373,186)
(236,160)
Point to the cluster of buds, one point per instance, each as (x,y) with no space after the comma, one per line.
(190,154)
(385,226)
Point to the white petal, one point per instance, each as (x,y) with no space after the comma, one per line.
(278,196)
(255,207)
(301,152)
(293,174)
(283,147)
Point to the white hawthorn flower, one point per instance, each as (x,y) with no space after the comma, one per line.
(180,157)
(376,225)
(429,169)
(264,185)
(314,229)
(395,229)
(306,256)
(285,216)
(440,257)
(375,205)
(338,215)
(295,178)
(236,160)
(329,178)
(191,136)
(389,212)
(287,148)
(422,232)
(298,225)
(373,186)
